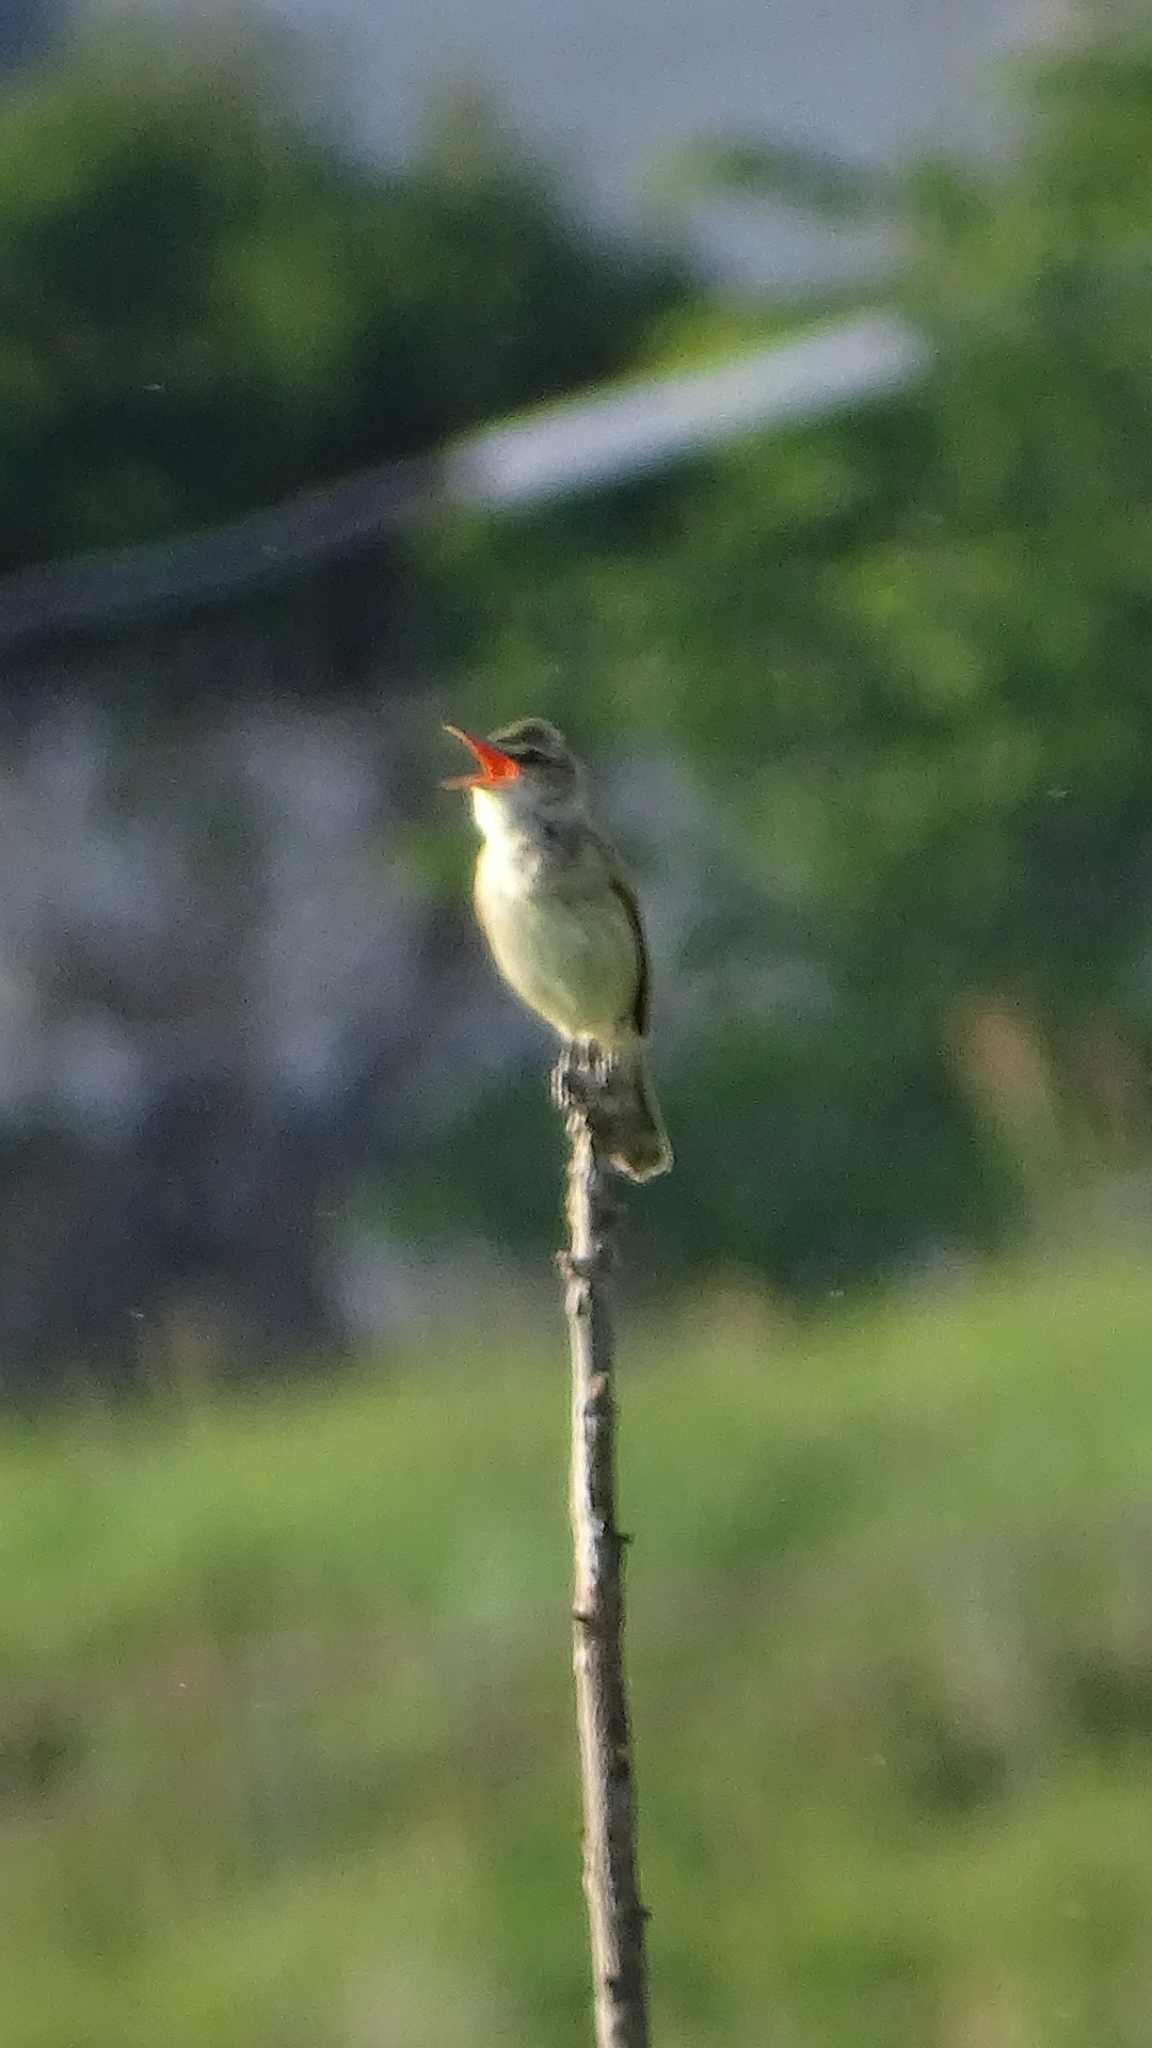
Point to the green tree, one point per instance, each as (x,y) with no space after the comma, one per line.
(206,302)
(913,645)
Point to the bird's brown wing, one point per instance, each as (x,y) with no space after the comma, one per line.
(588,840)
(641,1003)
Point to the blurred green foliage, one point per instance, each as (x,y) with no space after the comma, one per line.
(285,1729)
(910,650)
(912,642)
(205,301)
(803,1156)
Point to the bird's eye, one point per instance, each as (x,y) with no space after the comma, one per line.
(532,757)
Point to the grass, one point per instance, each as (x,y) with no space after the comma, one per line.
(285,1742)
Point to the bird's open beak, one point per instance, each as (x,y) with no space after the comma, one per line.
(495,767)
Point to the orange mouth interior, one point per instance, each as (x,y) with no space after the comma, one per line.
(495,767)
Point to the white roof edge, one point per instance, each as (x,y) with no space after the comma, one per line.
(580,444)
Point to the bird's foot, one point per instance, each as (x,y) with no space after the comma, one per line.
(580,1077)
(567,1095)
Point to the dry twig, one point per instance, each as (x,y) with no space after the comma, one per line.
(615,1914)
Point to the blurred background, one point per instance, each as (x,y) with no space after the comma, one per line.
(766,395)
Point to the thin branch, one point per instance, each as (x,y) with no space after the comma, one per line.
(615,1914)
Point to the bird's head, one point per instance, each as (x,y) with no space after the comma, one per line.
(526,769)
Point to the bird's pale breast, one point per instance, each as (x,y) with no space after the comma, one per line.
(565,944)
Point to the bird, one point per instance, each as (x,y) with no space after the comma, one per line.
(564,929)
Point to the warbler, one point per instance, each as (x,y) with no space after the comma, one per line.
(564,928)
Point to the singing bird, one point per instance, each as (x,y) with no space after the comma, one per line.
(564,926)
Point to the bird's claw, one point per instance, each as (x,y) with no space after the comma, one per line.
(566,1092)
(580,1076)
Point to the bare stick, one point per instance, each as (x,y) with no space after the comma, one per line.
(615,1915)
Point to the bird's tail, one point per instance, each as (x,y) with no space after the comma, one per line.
(630,1126)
